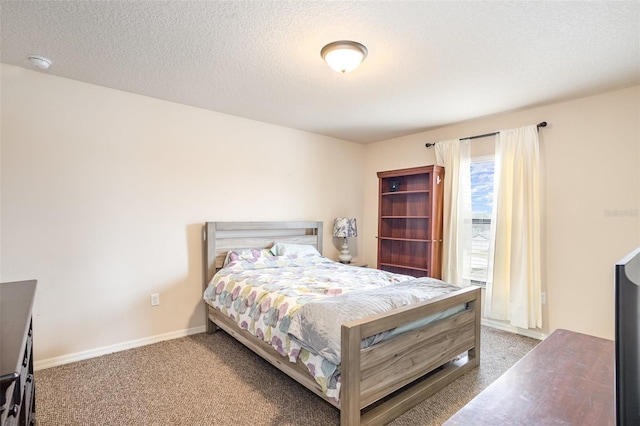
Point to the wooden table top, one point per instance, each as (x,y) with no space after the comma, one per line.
(568,379)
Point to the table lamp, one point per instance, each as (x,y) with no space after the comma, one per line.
(345,227)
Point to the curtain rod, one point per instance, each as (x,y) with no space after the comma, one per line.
(429,145)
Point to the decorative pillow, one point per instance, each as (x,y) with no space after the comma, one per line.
(283,249)
(245,254)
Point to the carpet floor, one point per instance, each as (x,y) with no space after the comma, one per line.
(214,380)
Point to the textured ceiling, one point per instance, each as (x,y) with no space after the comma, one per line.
(430,63)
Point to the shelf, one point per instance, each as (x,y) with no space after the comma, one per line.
(414,204)
(422,191)
(411,240)
(405,270)
(409,252)
(404,217)
(415,268)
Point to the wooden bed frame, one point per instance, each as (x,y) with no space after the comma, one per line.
(371,374)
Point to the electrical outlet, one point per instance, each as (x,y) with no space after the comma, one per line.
(543,298)
(155,299)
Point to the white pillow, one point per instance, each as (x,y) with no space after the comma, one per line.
(283,249)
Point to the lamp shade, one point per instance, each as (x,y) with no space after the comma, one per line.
(345,227)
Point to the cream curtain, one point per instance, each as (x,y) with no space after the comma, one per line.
(455,156)
(513,287)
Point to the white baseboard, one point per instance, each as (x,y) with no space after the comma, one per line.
(93,353)
(508,327)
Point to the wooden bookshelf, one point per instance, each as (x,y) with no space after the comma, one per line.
(410,221)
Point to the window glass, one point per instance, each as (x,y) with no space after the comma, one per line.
(481,206)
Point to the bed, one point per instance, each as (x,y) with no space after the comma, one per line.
(379,382)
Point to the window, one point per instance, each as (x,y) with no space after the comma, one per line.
(481,207)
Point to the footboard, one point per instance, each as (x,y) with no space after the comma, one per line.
(373,373)
(369,374)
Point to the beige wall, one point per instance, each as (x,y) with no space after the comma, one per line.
(590,154)
(104,194)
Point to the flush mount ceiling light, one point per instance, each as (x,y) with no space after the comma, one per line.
(39,62)
(344,56)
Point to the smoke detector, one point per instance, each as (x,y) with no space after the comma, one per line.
(39,62)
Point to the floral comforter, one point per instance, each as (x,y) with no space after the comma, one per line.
(263,293)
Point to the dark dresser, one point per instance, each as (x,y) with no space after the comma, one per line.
(17,387)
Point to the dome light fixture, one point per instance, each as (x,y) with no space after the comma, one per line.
(39,62)
(344,56)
